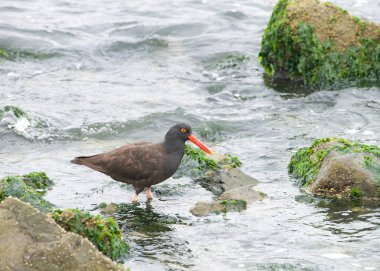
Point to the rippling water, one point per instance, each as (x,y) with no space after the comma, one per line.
(94,75)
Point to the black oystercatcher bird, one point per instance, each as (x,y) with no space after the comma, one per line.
(144,164)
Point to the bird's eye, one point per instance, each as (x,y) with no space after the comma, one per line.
(183,130)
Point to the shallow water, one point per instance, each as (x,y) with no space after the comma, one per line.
(105,74)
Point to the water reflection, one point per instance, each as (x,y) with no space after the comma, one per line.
(152,237)
(350,219)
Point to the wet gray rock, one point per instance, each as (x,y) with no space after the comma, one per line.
(232,200)
(225,180)
(206,208)
(234,189)
(245,193)
(31,241)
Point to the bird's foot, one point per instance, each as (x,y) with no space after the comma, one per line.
(149,194)
(134,198)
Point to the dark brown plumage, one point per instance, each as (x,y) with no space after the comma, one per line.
(144,164)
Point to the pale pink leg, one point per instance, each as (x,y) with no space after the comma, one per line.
(149,194)
(134,198)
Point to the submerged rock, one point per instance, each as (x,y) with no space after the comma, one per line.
(320,45)
(107,208)
(30,240)
(338,169)
(233,200)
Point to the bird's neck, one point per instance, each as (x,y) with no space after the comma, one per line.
(174,145)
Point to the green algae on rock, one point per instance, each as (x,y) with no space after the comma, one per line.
(15,54)
(3,53)
(196,163)
(38,180)
(320,45)
(19,119)
(338,168)
(227,61)
(104,233)
(28,188)
(16,111)
(31,240)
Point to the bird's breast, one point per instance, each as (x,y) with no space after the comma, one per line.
(172,162)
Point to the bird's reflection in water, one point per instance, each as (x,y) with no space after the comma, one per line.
(144,219)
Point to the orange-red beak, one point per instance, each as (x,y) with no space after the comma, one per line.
(193,139)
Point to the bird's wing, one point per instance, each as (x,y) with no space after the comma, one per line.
(129,163)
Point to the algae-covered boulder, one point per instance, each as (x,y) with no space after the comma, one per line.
(28,125)
(30,240)
(217,173)
(196,164)
(320,45)
(102,232)
(337,168)
(14,54)
(28,188)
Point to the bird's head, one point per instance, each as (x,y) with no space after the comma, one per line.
(183,131)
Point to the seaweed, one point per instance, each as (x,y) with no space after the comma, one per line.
(16,187)
(206,163)
(306,162)
(104,233)
(296,53)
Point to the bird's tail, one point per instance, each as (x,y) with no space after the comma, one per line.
(78,160)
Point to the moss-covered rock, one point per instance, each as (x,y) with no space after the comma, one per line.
(38,180)
(15,54)
(31,240)
(197,164)
(221,175)
(320,45)
(14,110)
(3,53)
(338,168)
(206,163)
(104,233)
(227,61)
(28,188)
(23,123)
